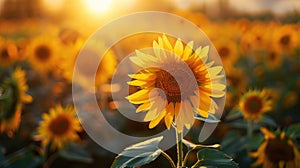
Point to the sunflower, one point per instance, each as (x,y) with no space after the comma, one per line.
(8,52)
(58,127)
(14,90)
(273,59)
(228,52)
(84,68)
(286,38)
(43,53)
(153,80)
(277,151)
(254,104)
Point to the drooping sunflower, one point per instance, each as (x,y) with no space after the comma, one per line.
(277,151)
(174,105)
(43,53)
(58,127)
(254,104)
(8,52)
(14,97)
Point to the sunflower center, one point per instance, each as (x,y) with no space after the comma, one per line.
(4,54)
(169,84)
(279,150)
(60,125)
(272,56)
(285,40)
(43,52)
(253,104)
(224,52)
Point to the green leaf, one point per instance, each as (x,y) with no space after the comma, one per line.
(24,157)
(293,130)
(210,119)
(215,158)
(74,152)
(234,114)
(268,121)
(139,154)
(192,146)
(233,143)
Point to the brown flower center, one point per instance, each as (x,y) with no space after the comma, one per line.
(285,40)
(272,56)
(253,104)
(279,150)
(169,84)
(59,125)
(43,52)
(224,52)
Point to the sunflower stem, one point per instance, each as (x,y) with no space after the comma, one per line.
(179,148)
(250,128)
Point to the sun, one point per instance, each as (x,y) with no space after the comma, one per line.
(98,6)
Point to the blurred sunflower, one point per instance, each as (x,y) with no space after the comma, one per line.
(168,106)
(286,38)
(277,151)
(228,52)
(14,96)
(58,127)
(43,53)
(254,104)
(84,69)
(273,59)
(236,79)
(8,52)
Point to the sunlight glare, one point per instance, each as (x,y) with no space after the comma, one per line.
(98,6)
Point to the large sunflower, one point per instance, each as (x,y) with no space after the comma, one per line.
(254,104)
(277,151)
(43,53)
(169,104)
(14,92)
(59,127)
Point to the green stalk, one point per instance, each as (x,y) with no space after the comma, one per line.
(250,128)
(179,148)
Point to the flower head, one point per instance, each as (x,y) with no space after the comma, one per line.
(8,52)
(277,151)
(14,90)
(58,127)
(166,89)
(43,53)
(254,104)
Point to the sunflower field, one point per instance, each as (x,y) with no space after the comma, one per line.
(42,77)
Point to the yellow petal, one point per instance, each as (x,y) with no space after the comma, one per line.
(156,108)
(136,83)
(202,113)
(188,50)
(144,107)
(166,43)
(139,97)
(143,76)
(169,119)
(154,122)
(178,48)
(156,48)
(215,70)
